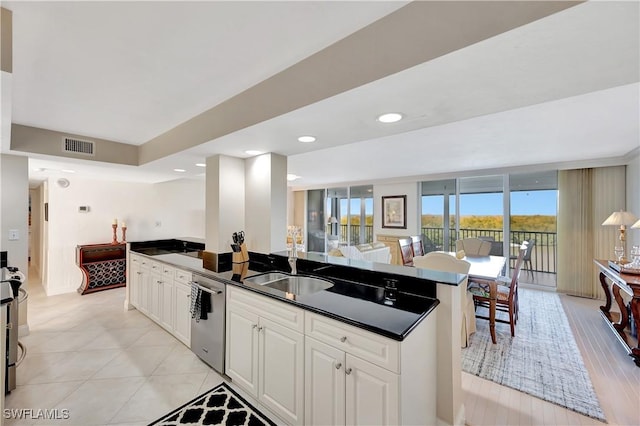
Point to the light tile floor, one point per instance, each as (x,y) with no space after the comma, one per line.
(106,366)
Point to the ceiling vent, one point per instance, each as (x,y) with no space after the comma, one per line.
(78,146)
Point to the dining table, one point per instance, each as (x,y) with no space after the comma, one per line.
(488,268)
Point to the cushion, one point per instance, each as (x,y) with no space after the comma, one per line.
(482,289)
(364,247)
(378,245)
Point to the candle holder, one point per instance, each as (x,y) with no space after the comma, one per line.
(115,236)
(124,234)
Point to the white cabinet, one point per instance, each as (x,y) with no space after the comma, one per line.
(324,384)
(181,306)
(343,389)
(265,352)
(162,293)
(241,359)
(139,277)
(372,394)
(167,313)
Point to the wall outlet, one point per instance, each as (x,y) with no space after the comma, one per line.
(83,209)
(14,235)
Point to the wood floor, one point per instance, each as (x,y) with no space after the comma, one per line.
(615,378)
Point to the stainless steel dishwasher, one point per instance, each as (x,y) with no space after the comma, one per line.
(207,335)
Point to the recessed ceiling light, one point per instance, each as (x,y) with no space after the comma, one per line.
(307,139)
(253,152)
(390,117)
(201,165)
(179,170)
(68,171)
(291,177)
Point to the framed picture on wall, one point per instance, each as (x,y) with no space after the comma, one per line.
(394,211)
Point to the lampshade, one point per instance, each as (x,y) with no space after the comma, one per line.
(620,218)
(636,225)
(333,219)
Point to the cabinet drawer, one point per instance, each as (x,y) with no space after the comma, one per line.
(155,266)
(168,272)
(278,312)
(369,346)
(182,276)
(135,259)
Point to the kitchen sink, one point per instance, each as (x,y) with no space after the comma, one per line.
(291,284)
(299,285)
(263,279)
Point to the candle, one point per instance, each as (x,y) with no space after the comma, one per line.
(115,222)
(124,225)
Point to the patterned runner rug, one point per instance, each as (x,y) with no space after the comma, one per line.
(219,406)
(542,360)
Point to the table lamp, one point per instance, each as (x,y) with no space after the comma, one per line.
(621,219)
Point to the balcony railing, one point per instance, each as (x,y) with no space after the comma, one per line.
(543,256)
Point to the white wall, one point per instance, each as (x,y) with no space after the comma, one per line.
(411,190)
(266,202)
(151,211)
(633,196)
(14,179)
(225,195)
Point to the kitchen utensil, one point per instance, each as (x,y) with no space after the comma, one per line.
(240,237)
(234,237)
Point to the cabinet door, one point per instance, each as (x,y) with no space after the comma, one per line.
(134,285)
(324,383)
(181,302)
(144,283)
(281,383)
(155,296)
(167,313)
(371,394)
(241,357)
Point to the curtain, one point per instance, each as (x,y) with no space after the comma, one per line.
(586,198)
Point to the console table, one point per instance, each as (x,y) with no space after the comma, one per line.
(103,266)
(613,282)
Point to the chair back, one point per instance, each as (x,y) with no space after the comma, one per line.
(474,246)
(516,270)
(440,261)
(406,251)
(416,245)
(530,244)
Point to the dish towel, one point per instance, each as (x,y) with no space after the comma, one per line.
(196,302)
(200,303)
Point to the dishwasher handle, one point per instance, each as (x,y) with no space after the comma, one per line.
(212,292)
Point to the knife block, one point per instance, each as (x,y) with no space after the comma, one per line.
(240,256)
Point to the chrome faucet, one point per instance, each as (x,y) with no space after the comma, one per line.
(293,259)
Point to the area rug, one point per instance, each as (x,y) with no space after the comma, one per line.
(219,406)
(542,360)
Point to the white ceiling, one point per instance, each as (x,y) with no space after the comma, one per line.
(564,88)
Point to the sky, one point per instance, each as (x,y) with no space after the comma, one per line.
(522,203)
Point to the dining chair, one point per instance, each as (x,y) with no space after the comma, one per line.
(527,256)
(499,295)
(474,246)
(416,245)
(406,251)
(440,261)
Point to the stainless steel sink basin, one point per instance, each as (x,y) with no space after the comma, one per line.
(263,279)
(299,285)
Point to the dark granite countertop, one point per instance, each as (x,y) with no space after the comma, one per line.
(355,303)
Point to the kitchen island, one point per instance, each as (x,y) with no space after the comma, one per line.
(377,352)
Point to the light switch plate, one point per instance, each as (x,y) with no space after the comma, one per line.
(14,235)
